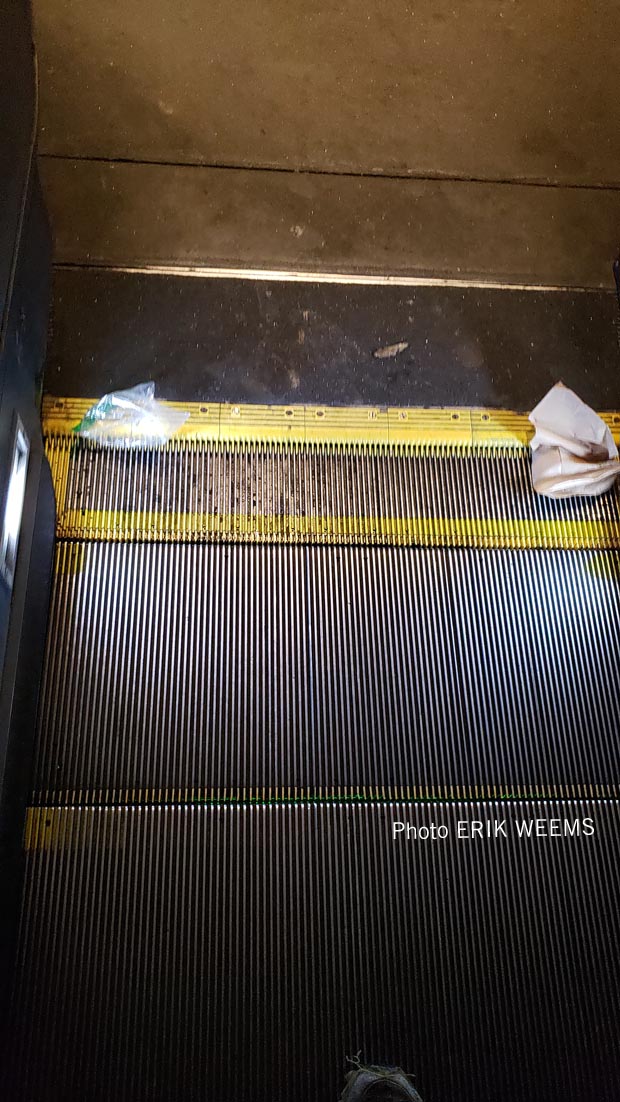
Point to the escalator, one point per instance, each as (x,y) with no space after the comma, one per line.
(309,779)
(326,772)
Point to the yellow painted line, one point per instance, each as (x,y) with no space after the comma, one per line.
(57,828)
(59,457)
(72,558)
(605,566)
(407,531)
(305,424)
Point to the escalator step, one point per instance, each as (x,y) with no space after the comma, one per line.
(243,953)
(192,672)
(424,495)
(327,767)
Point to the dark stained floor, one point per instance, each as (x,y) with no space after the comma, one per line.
(243,340)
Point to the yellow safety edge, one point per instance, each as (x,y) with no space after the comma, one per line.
(322,425)
(481,532)
(226,423)
(74,825)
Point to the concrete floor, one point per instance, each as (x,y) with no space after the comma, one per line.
(493,91)
(520,97)
(227,340)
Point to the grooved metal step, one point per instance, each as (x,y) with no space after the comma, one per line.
(241,953)
(434,496)
(319,475)
(224,899)
(187,672)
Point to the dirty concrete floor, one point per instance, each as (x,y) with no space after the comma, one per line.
(514,90)
(475,142)
(230,340)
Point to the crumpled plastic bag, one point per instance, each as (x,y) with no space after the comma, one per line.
(131,418)
(573,452)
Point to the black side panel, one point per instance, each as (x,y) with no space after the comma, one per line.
(21,366)
(19,713)
(25,261)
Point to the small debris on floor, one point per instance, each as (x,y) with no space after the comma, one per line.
(390,350)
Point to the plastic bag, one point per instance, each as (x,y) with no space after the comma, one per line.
(131,418)
(573,452)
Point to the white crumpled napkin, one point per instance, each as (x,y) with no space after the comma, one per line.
(573,452)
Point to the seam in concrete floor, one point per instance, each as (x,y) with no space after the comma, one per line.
(412,175)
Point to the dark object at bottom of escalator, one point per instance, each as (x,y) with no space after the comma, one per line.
(375,1084)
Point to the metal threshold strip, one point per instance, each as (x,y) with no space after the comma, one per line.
(404,477)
